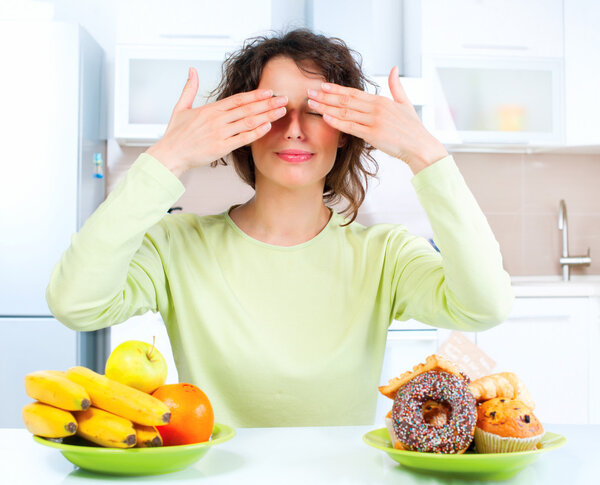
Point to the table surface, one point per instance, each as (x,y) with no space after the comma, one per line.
(319,455)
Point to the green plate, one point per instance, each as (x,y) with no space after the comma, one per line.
(139,461)
(489,466)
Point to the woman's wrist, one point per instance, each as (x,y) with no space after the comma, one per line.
(167,158)
(427,154)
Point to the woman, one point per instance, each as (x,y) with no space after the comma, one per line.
(278,308)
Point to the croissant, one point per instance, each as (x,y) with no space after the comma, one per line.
(503,384)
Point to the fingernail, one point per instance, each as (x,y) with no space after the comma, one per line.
(267,93)
(312,92)
(189,73)
(326,86)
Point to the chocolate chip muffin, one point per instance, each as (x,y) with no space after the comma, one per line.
(506,425)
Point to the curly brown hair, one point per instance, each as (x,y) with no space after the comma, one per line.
(241,72)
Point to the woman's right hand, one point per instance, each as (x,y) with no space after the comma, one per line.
(198,136)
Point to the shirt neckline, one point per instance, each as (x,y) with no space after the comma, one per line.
(257,242)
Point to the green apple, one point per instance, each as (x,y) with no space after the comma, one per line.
(137,364)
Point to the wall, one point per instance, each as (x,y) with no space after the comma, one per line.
(518,193)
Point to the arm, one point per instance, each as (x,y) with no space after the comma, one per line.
(465,287)
(114,266)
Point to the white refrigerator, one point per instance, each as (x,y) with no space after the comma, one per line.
(51,163)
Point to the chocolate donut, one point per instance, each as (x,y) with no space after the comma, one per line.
(453,393)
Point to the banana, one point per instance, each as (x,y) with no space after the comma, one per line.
(146,436)
(52,387)
(47,421)
(104,428)
(120,399)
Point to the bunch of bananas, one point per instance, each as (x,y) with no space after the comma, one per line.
(90,405)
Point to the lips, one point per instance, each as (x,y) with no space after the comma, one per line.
(295,155)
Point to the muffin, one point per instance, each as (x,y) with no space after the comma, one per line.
(506,425)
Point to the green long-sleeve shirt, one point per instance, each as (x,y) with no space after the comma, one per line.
(280,336)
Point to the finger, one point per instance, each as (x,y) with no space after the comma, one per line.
(189,92)
(250,123)
(396,88)
(342,96)
(241,99)
(346,114)
(350,127)
(254,107)
(247,137)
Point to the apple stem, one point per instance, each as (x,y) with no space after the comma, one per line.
(152,349)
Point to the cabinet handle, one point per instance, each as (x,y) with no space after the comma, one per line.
(496,46)
(194,36)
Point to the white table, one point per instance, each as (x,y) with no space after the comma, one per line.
(307,456)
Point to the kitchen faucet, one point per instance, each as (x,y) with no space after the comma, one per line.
(567,261)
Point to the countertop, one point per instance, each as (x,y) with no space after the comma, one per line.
(313,456)
(554,286)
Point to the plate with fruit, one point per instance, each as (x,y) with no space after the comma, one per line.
(135,461)
(126,422)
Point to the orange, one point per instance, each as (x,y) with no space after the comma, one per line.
(192,416)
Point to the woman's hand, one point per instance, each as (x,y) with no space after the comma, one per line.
(198,136)
(390,126)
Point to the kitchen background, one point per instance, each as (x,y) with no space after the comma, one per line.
(509,87)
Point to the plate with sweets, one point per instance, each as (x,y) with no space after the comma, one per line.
(471,465)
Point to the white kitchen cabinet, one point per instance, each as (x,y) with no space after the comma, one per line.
(149,81)
(582,71)
(495,71)
(157,42)
(502,101)
(594,356)
(188,22)
(546,342)
(492,28)
(511,75)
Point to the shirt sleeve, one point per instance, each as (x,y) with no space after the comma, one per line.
(114,267)
(463,287)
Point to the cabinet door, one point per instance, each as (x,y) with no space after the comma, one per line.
(582,71)
(503,100)
(490,28)
(148,83)
(545,342)
(27,345)
(594,343)
(189,21)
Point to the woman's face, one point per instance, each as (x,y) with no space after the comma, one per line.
(301,129)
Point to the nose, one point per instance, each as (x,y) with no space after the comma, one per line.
(293,126)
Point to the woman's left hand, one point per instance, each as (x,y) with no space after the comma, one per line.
(391,126)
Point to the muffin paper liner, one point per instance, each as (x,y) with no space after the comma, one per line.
(491,443)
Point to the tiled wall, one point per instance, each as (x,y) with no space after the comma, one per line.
(518,193)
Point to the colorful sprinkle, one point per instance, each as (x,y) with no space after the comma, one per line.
(442,387)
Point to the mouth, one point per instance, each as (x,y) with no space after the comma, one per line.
(294,156)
